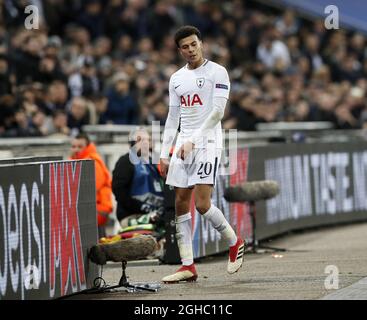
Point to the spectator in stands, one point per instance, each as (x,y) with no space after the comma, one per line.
(300,111)
(124,48)
(160,18)
(53,47)
(113,13)
(345,118)
(287,25)
(293,45)
(83,148)
(133,19)
(39,122)
(122,106)
(85,82)
(351,69)
(26,61)
(78,114)
(272,52)
(55,98)
(8,107)
(49,70)
(100,102)
(91,17)
(242,114)
(19,126)
(158,112)
(102,48)
(324,107)
(136,182)
(13,13)
(312,51)
(357,46)
(58,124)
(241,53)
(5,76)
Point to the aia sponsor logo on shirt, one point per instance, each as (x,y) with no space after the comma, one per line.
(191,101)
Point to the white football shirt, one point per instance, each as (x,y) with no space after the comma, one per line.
(193,91)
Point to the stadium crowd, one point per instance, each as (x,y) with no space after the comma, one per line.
(100,62)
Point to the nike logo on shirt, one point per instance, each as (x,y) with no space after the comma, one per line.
(177,86)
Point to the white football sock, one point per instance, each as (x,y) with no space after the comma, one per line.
(184,239)
(219,222)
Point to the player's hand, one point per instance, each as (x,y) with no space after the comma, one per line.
(164,164)
(185,150)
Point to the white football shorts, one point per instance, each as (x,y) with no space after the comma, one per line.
(201,167)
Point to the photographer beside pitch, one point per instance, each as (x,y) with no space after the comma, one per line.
(136,182)
(198,93)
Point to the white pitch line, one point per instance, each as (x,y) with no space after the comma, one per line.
(357,291)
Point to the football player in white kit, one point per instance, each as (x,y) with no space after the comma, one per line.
(198,93)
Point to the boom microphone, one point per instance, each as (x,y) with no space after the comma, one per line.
(252,191)
(123,250)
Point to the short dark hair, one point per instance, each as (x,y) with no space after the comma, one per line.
(186,31)
(58,112)
(83,135)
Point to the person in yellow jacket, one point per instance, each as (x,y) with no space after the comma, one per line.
(82,148)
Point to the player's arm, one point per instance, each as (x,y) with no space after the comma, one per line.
(170,128)
(220,98)
(219,104)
